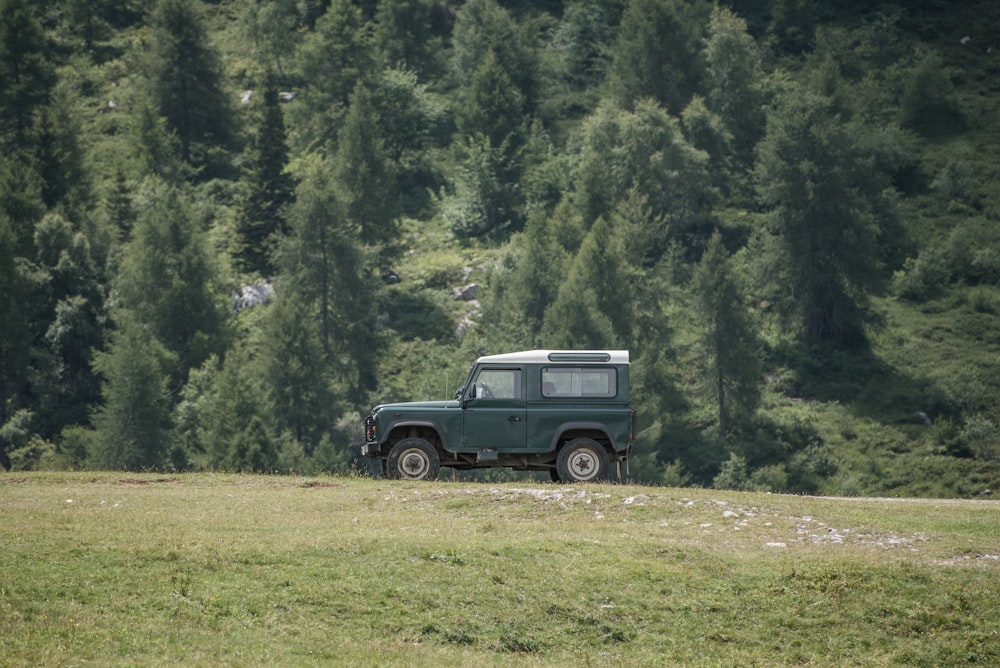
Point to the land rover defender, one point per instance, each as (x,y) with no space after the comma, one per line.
(562,411)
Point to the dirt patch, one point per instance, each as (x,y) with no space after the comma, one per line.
(146,481)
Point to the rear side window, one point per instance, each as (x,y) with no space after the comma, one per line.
(579,382)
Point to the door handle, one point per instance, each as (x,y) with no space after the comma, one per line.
(514,418)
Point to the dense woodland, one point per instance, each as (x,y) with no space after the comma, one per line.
(227,229)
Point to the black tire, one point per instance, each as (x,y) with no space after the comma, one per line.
(413,459)
(582,460)
(554,475)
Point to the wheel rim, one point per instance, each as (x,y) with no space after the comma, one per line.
(584,465)
(414,463)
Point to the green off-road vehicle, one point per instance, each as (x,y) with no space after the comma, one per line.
(562,411)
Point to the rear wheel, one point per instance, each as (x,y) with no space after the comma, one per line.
(413,459)
(582,460)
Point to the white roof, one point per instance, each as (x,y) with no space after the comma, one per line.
(562,356)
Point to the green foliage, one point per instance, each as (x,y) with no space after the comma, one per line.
(572,159)
(365,174)
(928,105)
(729,338)
(26,73)
(133,423)
(334,59)
(270,186)
(819,177)
(185,81)
(170,282)
(646,64)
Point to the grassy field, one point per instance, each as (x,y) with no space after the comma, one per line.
(122,569)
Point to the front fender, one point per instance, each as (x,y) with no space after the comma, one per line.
(430,424)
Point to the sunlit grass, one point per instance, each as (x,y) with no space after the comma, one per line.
(115,569)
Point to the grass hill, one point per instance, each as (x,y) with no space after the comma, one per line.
(229,570)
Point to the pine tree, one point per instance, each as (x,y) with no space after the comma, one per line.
(594,306)
(656,52)
(26,75)
(335,57)
(271,27)
(331,272)
(481,27)
(492,106)
(735,78)
(647,150)
(365,177)
(185,78)
(133,423)
(405,37)
(821,181)
(169,281)
(729,338)
(270,187)
(297,373)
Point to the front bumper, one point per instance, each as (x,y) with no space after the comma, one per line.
(371,449)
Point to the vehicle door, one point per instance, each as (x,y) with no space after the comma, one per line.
(495,410)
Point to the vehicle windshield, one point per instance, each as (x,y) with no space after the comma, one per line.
(468,379)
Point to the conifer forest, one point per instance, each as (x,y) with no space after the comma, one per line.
(229,228)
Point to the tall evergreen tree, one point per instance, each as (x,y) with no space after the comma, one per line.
(26,75)
(481,27)
(366,179)
(821,181)
(59,157)
(270,187)
(332,273)
(594,306)
(405,36)
(492,106)
(133,423)
(297,373)
(645,149)
(73,322)
(735,79)
(728,335)
(335,58)
(271,27)
(185,78)
(169,281)
(655,53)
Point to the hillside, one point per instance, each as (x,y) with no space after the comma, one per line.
(786,211)
(223,570)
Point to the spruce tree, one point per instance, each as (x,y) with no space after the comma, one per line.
(169,281)
(594,305)
(731,363)
(26,75)
(270,187)
(655,53)
(734,78)
(365,177)
(335,58)
(185,78)
(133,423)
(820,179)
(331,272)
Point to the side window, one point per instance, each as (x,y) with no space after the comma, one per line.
(579,382)
(498,384)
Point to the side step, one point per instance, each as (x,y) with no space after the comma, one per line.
(487,455)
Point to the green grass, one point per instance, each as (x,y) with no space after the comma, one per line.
(121,569)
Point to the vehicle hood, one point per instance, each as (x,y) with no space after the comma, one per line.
(417,405)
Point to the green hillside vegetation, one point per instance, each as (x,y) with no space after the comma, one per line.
(227,229)
(127,569)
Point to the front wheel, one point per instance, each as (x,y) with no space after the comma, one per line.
(413,459)
(582,460)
